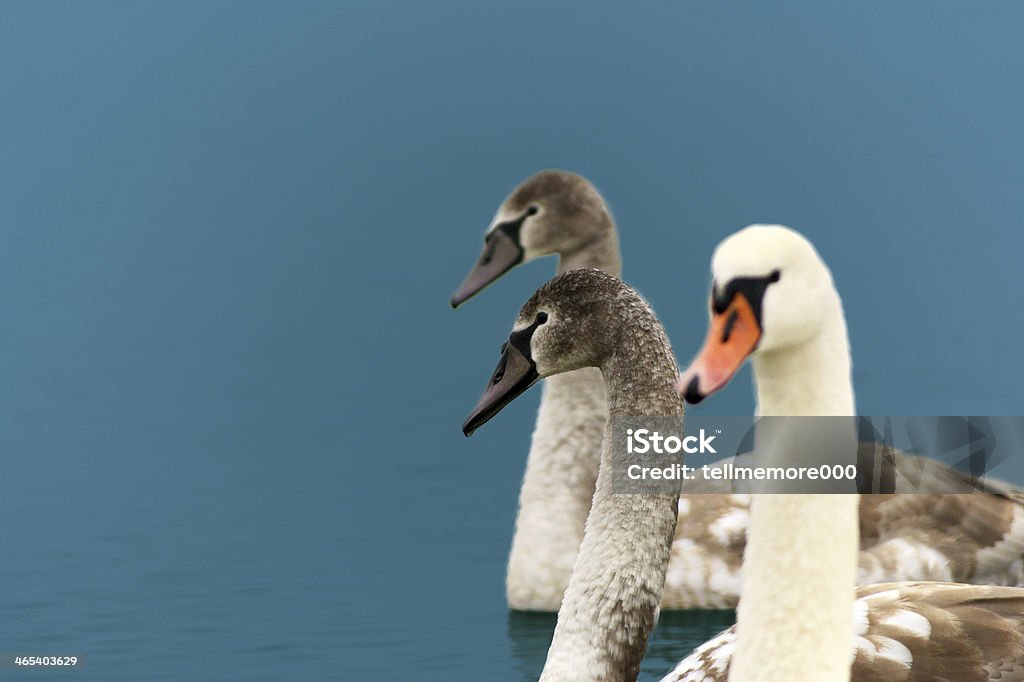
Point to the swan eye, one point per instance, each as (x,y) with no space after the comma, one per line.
(542,318)
(775,276)
(532,210)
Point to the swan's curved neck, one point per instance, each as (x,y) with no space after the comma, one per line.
(800,561)
(602,253)
(609,606)
(793,621)
(812,379)
(561,469)
(554,500)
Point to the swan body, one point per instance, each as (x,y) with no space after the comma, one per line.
(908,631)
(794,620)
(966,538)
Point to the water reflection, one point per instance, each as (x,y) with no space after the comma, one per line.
(678,633)
(529,635)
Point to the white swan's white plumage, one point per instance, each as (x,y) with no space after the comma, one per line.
(794,620)
(572,220)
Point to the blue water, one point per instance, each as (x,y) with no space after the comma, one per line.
(230,382)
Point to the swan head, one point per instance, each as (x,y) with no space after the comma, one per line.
(571,322)
(770,291)
(551,212)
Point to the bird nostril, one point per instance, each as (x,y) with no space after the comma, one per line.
(692,393)
(497,376)
(730,324)
(488,253)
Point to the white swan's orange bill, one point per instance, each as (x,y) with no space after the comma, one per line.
(732,336)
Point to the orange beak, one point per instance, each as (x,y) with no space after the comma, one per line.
(733,335)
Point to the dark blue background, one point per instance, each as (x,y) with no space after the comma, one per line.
(230,382)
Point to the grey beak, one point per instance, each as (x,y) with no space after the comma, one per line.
(514,374)
(501,254)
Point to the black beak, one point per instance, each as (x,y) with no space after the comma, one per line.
(514,374)
(501,254)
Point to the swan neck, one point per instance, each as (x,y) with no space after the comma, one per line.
(609,607)
(561,468)
(799,568)
(794,623)
(558,486)
(810,379)
(601,253)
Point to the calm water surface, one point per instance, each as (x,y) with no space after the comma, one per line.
(218,566)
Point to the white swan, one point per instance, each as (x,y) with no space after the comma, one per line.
(773,300)
(979,540)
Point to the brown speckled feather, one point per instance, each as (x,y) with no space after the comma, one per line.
(911,632)
(975,538)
